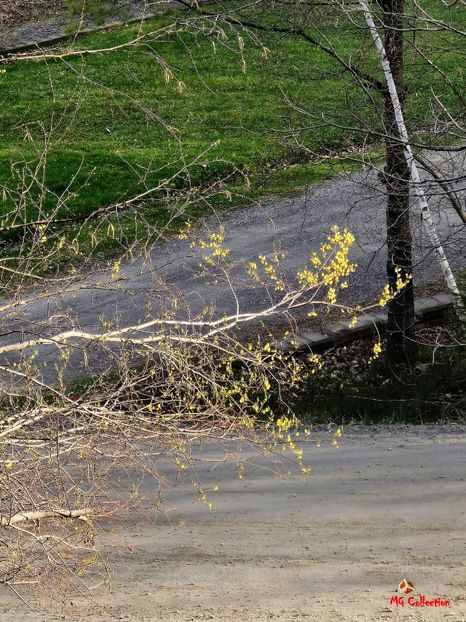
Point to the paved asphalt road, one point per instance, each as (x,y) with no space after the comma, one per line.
(296,225)
(41,30)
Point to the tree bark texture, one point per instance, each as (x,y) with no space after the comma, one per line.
(401,346)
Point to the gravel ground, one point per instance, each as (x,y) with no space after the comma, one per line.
(389,503)
(39,21)
(16,13)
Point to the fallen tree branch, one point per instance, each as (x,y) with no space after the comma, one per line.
(7,521)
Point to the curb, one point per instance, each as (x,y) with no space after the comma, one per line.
(425,310)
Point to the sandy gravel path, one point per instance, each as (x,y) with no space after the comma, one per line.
(389,503)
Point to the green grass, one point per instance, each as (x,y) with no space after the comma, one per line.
(117,128)
(431,393)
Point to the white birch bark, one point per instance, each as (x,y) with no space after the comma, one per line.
(416,181)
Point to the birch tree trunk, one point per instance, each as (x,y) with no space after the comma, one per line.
(391,58)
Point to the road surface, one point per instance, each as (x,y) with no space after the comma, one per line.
(296,226)
(388,504)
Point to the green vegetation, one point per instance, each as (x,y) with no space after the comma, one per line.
(115,125)
(351,389)
(97,11)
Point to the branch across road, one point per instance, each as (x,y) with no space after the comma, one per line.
(295,226)
(388,504)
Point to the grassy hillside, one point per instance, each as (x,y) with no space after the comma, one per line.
(113,125)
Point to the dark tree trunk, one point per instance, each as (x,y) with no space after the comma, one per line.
(401,346)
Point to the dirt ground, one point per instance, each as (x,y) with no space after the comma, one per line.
(17,11)
(389,503)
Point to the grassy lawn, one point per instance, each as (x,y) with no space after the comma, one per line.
(115,127)
(428,393)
